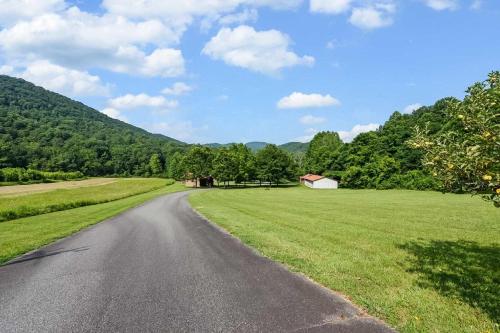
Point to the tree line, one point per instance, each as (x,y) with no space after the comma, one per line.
(452,145)
(234,164)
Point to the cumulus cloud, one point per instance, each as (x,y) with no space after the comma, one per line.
(412,107)
(180,130)
(187,10)
(130,101)
(15,10)
(6,70)
(114,113)
(311,120)
(81,40)
(347,136)
(247,15)
(330,6)
(373,16)
(298,100)
(442,4)
(260,51)
(63,80)
(178,88)
(363,14)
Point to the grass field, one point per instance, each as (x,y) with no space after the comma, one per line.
(15,205)
(26,234)
(421,261)
(16,190)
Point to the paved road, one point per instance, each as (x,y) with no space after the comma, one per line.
(161,268)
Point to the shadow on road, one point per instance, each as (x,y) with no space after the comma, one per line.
(42,254)
(460,269)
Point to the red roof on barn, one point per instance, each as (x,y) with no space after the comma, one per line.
(311,177)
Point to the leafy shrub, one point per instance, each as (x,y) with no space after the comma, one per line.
(21,175)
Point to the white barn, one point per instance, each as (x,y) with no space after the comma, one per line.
(320,182)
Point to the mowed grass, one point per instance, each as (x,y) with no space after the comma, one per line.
(17,206)
(421,261)
(23,235)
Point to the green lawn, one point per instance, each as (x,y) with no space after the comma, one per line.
(13,207)
(26,234)
(421,261)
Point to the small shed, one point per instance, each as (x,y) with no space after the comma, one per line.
(321,182)
(200,182)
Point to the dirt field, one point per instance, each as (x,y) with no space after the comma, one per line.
(17,190)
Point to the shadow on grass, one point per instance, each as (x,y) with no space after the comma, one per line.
(462,269)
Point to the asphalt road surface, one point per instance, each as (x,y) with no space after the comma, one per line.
(161,268)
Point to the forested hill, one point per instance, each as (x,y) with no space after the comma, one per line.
(47,131)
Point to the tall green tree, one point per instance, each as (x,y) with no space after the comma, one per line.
(176,167)
(466,156)
(156,165)
(274,164)
(198,162)
(245,160)
(224,166)
(323,153)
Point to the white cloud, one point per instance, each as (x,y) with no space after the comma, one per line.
(187,10)
(248,15)
(311,120)
(412,107)
(6,70)
(347,136)
(261,51)
(373,17)
(14,10)
(300,100)
(63,80)
(130,101)
(81,40)
(308,135)
(442,4)
(114,113)
(180,130)
(330,6)
(178,88)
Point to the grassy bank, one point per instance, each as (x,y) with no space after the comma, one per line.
(13,207)
(26,234)
(421,261)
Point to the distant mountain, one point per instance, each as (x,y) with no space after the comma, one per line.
(292,147)
(45,130)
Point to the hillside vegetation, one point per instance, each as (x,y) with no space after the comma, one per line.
(43,130)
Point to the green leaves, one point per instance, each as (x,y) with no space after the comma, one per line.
(467,156)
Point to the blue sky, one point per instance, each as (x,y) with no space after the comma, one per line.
(241,70)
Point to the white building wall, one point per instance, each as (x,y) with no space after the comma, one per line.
(308,183)
(325,183)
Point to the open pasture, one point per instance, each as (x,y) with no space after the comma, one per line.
(15,206)
(421,261)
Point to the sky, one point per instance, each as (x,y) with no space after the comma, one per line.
(205,71)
